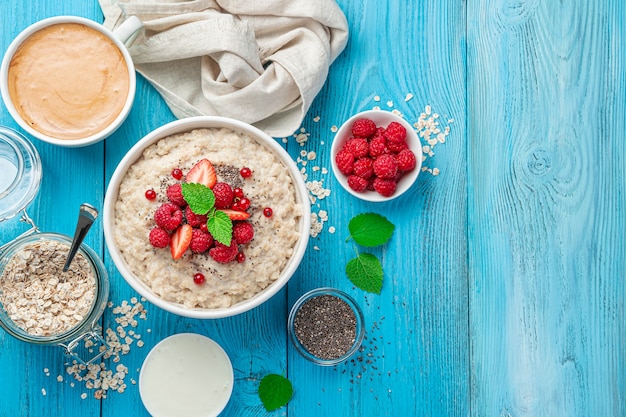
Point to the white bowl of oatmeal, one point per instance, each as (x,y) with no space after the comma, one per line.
(196,283)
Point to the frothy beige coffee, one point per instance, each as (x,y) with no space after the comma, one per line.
(68,81)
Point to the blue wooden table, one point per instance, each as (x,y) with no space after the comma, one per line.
(504,281)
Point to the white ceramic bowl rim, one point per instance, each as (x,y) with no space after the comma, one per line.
(381,118)
(186,125)
(22,36)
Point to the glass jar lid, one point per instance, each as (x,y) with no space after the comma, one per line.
(20,166)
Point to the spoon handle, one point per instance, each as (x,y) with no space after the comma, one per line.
(86,216)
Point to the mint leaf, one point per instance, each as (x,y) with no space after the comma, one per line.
(366,272)
(220,226)
(199,197)
(370,229)
(275,391)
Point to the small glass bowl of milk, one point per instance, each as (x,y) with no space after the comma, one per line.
(186,374)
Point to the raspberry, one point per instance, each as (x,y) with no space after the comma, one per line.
(397,147)
(378,146)
(243,232)
(357,183)
(200,241)
(395,132)
(363,128)
(175,194)
(223,195)
(168,216)
(357,147)
(159,238)
(363,168)
(406,160)
(193,219)
(384,187)
(344,160)
(224,254)
(385,166)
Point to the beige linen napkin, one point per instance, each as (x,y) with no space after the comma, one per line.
(259,61)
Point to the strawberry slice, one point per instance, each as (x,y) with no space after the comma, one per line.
(202,173)
(180,240)
(236,214)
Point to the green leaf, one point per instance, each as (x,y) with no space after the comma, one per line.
(366,272)
(199,197)
(275,391)
(220,226)
(370,229)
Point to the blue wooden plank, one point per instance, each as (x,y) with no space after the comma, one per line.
(546,149)
(70,177)
(415,358)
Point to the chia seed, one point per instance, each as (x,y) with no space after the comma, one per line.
(326,326)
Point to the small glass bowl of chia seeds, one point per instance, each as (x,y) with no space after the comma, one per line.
(326,326)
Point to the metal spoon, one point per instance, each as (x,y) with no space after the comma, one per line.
(86,216)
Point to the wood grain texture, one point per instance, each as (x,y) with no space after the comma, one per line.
(416,353)
(546,130)
(503,292)
(70,178)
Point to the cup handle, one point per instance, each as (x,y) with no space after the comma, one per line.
(127,32)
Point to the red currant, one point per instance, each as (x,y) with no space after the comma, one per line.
(204,228)
(244,204)
(150,194)
(238,192)
(236,206)
(177,173)
(267,212)
(198,278)
(241,257)
(245,172)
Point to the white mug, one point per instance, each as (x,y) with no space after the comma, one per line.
(68,80)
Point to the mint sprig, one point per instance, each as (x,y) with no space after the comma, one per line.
(201,200)
(220,226)
(275,391)
(366,272)
(199,197)
(369,230)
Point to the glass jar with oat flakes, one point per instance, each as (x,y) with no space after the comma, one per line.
(40,303)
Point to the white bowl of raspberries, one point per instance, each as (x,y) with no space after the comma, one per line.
(376,155)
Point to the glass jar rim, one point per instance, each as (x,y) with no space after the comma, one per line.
(27,178)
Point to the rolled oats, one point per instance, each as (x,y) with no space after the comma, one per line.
(39,297)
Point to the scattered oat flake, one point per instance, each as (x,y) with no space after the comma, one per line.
(43,391)
(390,103)
(376,98)
(331,229)
(334,129)
(376,108)
(316,119)
(408,97)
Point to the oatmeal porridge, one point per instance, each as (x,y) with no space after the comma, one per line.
(39,297)
(222,284)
